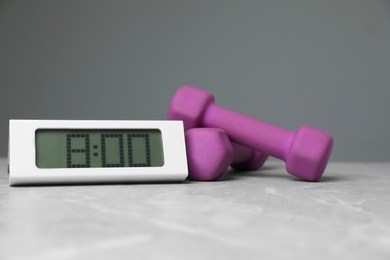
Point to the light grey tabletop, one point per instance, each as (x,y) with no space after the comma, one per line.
(265,213)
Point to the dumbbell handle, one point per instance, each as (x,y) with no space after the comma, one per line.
(246,130)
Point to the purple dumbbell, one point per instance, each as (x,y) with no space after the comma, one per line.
(305,151)
(210,152)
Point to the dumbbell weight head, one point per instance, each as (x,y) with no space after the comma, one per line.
(189,104)
(309,153)
(209,153)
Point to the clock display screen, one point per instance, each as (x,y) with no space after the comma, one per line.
(92,148)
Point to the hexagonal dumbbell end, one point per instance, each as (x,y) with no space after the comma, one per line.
(188,105)
(209,153)
(309,153)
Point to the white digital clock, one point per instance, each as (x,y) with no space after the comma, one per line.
(95,151)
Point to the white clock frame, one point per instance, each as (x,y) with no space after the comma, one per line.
(23,169)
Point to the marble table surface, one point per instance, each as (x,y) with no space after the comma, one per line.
(264,214)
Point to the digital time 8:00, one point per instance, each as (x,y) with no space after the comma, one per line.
(92,148)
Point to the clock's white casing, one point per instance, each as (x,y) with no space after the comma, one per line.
(23,170)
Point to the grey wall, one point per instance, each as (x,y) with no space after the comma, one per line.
(322,63)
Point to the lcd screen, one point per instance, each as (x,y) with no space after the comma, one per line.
(98,148)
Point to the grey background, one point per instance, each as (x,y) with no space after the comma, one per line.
(290,63)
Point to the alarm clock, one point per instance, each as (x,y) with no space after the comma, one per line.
(96,151)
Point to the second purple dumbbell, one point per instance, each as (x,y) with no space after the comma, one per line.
(210,152)
(306,151)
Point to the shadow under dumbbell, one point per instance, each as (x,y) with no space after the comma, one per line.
(233,174)
(275,172)
(326,178)
(262,169)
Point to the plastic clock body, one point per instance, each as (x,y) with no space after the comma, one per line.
(95,151)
